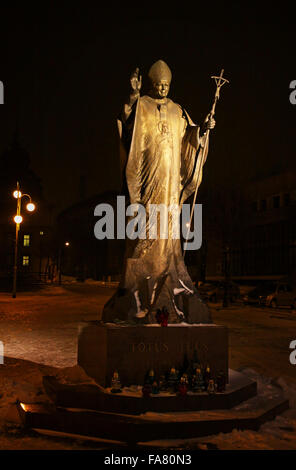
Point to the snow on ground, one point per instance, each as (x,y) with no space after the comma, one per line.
(43,326)
(39,332)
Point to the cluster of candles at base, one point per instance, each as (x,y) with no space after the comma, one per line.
(175,383)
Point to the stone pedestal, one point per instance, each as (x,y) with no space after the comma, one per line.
(134,350)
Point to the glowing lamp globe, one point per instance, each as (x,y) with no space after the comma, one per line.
(18,219)
(17,194)
(30,207)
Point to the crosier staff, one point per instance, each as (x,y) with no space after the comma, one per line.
(220,81)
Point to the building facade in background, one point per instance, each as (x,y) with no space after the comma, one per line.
(36,236)
(257,224)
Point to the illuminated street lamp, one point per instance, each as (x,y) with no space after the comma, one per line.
(30,207)
(18,220)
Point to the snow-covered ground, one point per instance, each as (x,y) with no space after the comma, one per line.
(39,332)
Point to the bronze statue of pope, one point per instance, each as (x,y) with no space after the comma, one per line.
(161,161)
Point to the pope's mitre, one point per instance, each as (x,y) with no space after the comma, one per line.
(160,71)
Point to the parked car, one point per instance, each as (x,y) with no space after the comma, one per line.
(258,295)
(217,293)
(284,294)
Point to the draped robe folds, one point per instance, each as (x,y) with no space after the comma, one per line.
(161,160)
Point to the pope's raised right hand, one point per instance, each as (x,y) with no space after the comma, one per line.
(136,81)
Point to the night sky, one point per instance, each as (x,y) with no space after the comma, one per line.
(66,74)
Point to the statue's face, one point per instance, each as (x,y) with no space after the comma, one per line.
(161,89)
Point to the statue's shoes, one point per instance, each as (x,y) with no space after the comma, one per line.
(141,314)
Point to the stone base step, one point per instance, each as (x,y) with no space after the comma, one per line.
(149,426)
(94,397)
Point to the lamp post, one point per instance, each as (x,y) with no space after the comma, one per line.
(40,254)
(226,274)
(60,260)
(18,220)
